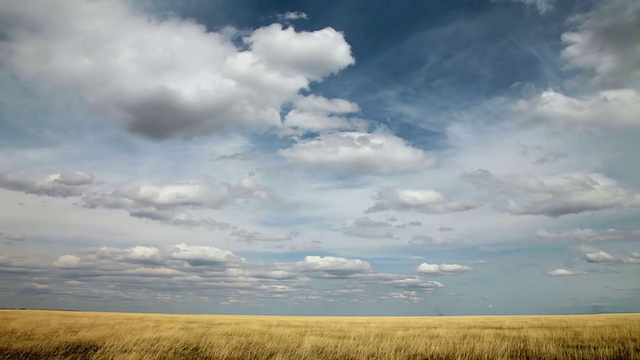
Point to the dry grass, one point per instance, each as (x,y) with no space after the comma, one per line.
(26,334)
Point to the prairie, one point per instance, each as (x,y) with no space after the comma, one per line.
(38,334)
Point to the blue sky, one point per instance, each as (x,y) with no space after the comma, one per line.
(320,158)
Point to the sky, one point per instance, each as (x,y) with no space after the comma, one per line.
(320,157)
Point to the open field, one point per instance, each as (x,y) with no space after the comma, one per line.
(31,334)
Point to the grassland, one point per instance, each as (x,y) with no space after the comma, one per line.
(31,334)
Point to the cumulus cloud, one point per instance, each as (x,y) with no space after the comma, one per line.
(55,185)
(188,193)
(555,195)
(632,258)
(599,256)
(145,254)
(607,42)
(606,109)
(314,113)
(364,227)
(442,269)
(164,203)
(333,267)
(203,255)
(563,272)
(204,271)
(426,201)
(594,255)
(589,235)
(363,153)
(139,74)
(67,262)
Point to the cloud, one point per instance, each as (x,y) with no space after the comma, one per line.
(204,272)
(555,195)
(13,236)
(416,283)
(599,256)
(165,203)
(607,42)
(442,269)
(333,267)
(563,272)
(145,254)
(632,258)
(137,72)
(425,201)
(293,15)
(606,109)
(312,55)
(375,153)
(589,235)
(594,255)
(187,193)
(55,185)
(203,255)
(67,262)
(255,236)
(543,6)
(366,228)
(427,240)
(318,114)
(408,295)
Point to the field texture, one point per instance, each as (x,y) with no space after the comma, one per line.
(26,334)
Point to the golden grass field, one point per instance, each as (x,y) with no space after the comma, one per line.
(34,334)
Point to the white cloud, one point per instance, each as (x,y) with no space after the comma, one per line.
(67,262)
(187,193)
(606,109)
(632,258)
(426,201)
(318,114)
(145,253)
(55,185)
(594,255)
(165,203)
(331,266)
(606,41)
(416,282)
(364,153)
(589,235)
(366,228)
(312,55)
(203,255)
(293,15)
(555,195)
(563,272)
(137,71)
(599,256)
(442,269)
